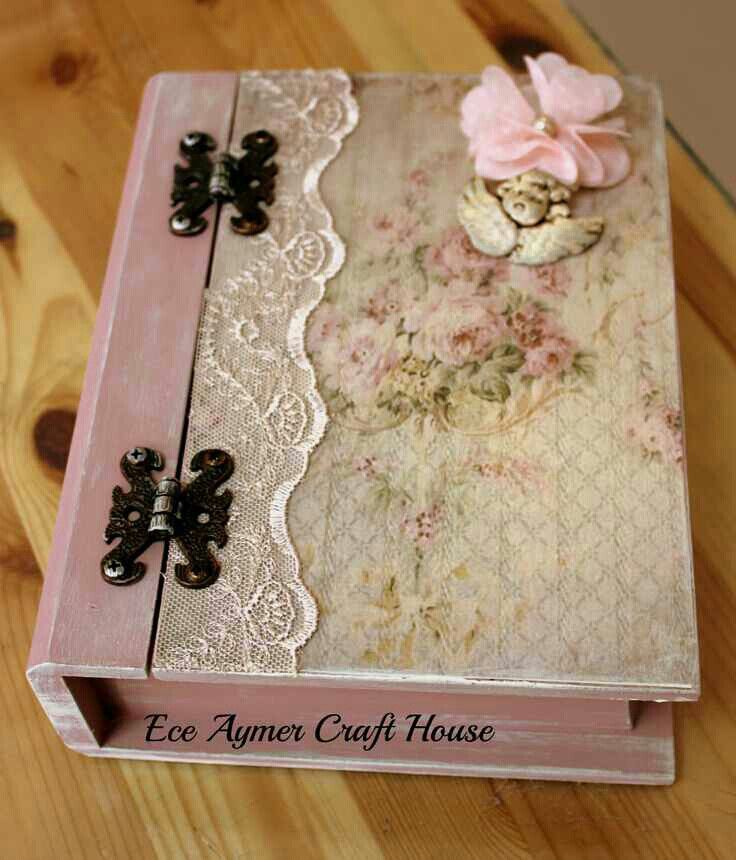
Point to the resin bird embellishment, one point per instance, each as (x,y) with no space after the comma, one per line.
(527,218)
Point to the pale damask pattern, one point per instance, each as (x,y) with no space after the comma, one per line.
(500,492)
(254,391)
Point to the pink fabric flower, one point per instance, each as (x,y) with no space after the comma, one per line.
(508,136)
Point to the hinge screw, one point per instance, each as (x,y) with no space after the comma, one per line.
(193,577)
(136,455)
(114,569)
(179,222)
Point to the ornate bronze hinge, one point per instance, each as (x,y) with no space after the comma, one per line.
(246,182)
(192,514)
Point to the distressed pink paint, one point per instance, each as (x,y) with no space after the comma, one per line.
(135,386)
(539,738)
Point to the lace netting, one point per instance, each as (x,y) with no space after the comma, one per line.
(254,391)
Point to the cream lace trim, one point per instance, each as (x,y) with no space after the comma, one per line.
(254,391)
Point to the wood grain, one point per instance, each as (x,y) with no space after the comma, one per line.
(73,74)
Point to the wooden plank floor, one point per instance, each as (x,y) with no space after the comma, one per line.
(72,75)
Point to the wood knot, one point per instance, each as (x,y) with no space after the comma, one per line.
(514,48)
(64,69)
(52,436)
(8,230)
(16,556)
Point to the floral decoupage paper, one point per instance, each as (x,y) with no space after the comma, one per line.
(500,490)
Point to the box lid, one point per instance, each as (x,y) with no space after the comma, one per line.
(449,468)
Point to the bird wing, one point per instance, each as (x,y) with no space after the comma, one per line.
(556,239)
(489,228)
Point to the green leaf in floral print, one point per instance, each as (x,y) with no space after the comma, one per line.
(584,365)
(506,358)
(514,300)
(418,256)
(494,390)
(490,380)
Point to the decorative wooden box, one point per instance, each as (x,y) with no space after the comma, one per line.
(454,482)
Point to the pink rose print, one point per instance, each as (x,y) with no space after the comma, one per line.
(558,136)
(418,180)
(453,256)
(386,302)
(454,328)
(421,526)
(368,353)
(655,427)
(397,229)
(547,349)
(512,470)
(551,281)
(554,355)
(433,323)
(324,326)
(366,466)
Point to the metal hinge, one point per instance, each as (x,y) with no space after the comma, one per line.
(246,181)
(191,514)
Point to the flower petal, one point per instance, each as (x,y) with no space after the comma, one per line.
(550,157)
(541,85)
(550,63)
(508,141)
(477,108)
(570,94)
(602,158)
(497,97)
(573,97)
(610,90)
(614,156)
(591,171)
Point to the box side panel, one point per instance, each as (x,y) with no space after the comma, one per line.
(72,707)
(566,739)
(136,384)
(131,698)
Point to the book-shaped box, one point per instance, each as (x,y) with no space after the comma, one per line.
(372,461)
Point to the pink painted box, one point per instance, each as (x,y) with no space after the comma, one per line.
(414,487)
